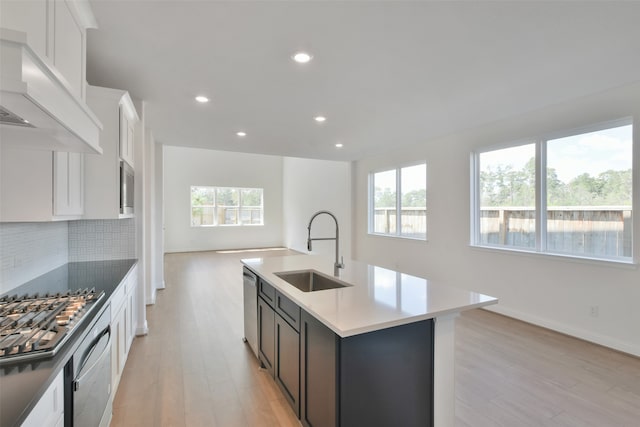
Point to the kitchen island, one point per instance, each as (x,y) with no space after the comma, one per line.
(382,345)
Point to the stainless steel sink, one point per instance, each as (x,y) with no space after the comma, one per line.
(311,280)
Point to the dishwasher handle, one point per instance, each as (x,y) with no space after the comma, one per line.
(249,277)
(87,356)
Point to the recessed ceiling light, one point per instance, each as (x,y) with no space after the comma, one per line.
(241,134)
(339,145)
(320,119)
(302,57)
(202,99)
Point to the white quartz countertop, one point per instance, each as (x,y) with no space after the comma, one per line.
(379,298)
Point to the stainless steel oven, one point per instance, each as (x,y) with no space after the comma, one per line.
(88,377)
(126,188)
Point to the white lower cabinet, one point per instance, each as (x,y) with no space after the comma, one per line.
(122,317)
(49,411)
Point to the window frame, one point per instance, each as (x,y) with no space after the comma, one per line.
(216,206)
(398,208)
(541,208)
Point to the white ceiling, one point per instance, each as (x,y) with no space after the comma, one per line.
(384,73)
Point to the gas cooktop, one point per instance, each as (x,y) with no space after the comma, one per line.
(34,326)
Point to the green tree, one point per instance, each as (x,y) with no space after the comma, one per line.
(251,197)
(415,199)
(616,187)
(385,198)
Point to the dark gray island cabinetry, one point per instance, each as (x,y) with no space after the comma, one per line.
(381,378)
(279,341)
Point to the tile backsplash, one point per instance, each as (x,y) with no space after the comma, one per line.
(30,249)
(102,239)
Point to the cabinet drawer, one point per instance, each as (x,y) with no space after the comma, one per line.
(131,281)
(267,292)
(288,310)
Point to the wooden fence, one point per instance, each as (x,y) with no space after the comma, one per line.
(413,221)
(599,231)
(603,231)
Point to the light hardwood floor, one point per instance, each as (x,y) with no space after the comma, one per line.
(194,370)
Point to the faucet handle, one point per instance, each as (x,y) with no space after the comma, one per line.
(341,265)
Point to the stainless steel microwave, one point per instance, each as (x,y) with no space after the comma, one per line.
(126,188)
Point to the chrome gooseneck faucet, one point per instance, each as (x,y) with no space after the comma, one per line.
(338,264)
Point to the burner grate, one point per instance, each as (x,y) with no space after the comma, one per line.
(34,325)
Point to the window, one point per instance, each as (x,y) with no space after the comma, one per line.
(218,206)
(403,216)
(567,195)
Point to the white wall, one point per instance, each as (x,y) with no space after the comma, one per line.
(310,186)
(184,167)
(550,291)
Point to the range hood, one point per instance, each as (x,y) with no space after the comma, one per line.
(38,110)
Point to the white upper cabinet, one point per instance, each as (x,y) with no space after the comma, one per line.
(68,47)
(68,184)
(43,67)
(56,30)
(128,120)
(30,17)
(115,110)
(38,185)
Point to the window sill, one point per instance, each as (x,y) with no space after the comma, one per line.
(394,236)
(227,225)
(608,262)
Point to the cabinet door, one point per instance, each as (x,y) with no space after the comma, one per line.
(68,184)
(117,348)
(287,363)
(132,285)
(68,42)
(29,17)
(266,336)
(318,374)
(129,330)
(130,136)
(26,185)
(50,408)
(126,137)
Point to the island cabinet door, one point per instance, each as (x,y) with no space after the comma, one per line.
(386,377)
(266,336)
(287,363)
(318,374)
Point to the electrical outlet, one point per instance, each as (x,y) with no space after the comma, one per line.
(594,311)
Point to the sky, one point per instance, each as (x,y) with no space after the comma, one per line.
(413,178)
(593,153)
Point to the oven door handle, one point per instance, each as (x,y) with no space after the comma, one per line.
(87,355)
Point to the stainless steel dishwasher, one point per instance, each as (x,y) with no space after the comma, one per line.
(88,376)
(250,292)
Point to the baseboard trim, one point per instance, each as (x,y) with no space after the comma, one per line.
(143,330)
(583,334)
(151,300)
